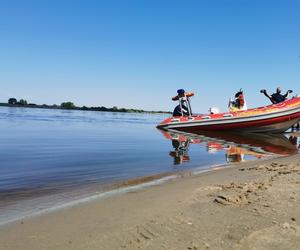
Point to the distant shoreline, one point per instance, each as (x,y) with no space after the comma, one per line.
(84,108)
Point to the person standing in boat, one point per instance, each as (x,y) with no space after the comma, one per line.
(276,97)
(239,102)
(180,109)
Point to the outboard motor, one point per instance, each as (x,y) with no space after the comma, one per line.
(214,110)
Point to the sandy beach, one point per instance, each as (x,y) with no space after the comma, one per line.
(253,205)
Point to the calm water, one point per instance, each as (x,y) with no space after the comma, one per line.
(49,157)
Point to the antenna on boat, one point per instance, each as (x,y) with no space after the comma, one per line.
(189,106)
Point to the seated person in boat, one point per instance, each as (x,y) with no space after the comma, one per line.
(180,109)
(239,103)
(277,97)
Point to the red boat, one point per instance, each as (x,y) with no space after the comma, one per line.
(275,118)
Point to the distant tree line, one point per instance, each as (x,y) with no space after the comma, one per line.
(71,106)
(68,105)
(14,101)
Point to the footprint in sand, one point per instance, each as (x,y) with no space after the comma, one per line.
(275,237)
(241,194)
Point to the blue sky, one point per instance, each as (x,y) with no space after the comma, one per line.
(138,53)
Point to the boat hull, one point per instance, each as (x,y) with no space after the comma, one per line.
(271,119)
(250,127)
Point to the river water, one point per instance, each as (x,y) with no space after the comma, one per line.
(49,158)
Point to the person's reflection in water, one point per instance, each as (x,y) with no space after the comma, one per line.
(296,127)
(234,154)
(234,157)
(293,140)
(237,154)
(180,152)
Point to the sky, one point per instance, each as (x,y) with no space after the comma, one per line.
(137,53)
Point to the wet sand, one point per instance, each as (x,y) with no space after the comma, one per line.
(254,205)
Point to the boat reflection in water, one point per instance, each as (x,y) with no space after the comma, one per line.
(235,145)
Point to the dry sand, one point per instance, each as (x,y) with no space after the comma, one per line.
(255,205)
